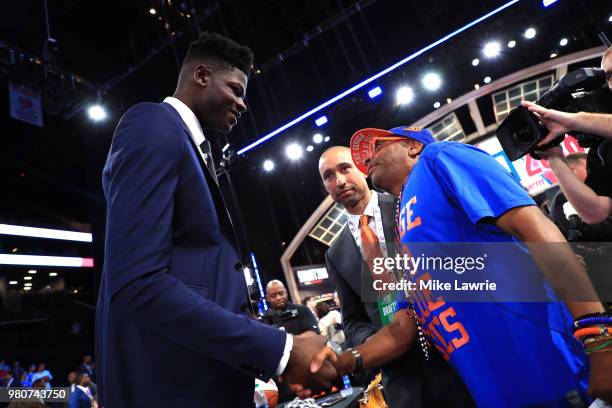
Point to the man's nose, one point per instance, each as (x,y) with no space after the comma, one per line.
(241,105)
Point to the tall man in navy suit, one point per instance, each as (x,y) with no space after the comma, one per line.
(172,286)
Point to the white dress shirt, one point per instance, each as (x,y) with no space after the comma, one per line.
(375,222)
(197,135)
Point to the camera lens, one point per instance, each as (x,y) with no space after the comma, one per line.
(523,136)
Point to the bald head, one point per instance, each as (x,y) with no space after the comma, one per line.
(276,294)
(342,180)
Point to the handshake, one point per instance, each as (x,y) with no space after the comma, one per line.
(313,366)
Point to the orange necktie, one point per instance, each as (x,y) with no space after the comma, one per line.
(370,245)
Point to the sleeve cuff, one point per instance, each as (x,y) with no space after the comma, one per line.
(285,358)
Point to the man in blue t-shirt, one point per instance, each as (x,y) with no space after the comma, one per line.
(511,345)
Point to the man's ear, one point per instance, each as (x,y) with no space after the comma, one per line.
(202,74)
(414,148)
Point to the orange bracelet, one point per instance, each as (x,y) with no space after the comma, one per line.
(591,331)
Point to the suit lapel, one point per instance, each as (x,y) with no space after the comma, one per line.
(387,206)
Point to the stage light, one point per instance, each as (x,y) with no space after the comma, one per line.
(268,165)
(96,113)
(373,78)
(32,271)
(13,282)
(52,274)
(436,105)
(18,230)
(27,278)
(431,81)
(553,55)
(530,33)
(317,138)
(475,62)
(321,121)
(487,79)
(491,49)
(294,151)
(374,92)
(309,148)
(404,95)
(563,42)
(326,139)
(511,44)
(152,11)
(547,3)
(39,260)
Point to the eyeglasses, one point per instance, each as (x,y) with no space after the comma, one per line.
(382,142)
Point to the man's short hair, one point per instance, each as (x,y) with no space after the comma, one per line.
(221,52)
(79,377)
(575,158)
(274,282)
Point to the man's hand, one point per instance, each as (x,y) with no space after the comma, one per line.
(600,380)
(305,346)
(558,123)
(555,152)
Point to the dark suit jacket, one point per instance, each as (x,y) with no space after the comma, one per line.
(78,399)
(409,381)
(172,288)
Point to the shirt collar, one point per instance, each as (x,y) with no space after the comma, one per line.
(353,219)
(187,115)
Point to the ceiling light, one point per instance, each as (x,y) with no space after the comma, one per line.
(32,271)
(19,230)
(476,86)
(448,100)
(27,284)
(96,113)
(321,121)
(13,282)
(294,151)
(436,105)
(553,55)
(547,3)
(563,42)
(27,278)
(374,92)
(610,18)
(317,138)
(326,139)
(530,33)
(511,44)
(27,288)
(487,79)
(309,148)
(52,273)
(404,95)
(475,62)
(431,81)
(268,165)
(491,49)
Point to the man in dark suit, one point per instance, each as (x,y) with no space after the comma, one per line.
(81,397)
(172,289)
(410,380)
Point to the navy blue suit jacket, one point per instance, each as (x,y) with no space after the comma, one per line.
(78,399)
(169,327)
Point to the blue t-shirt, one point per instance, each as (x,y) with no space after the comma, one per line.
(508,353)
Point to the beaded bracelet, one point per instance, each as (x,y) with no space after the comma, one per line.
(591,331)
(358,360)
(590,340)
(600,347)
(592,321)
